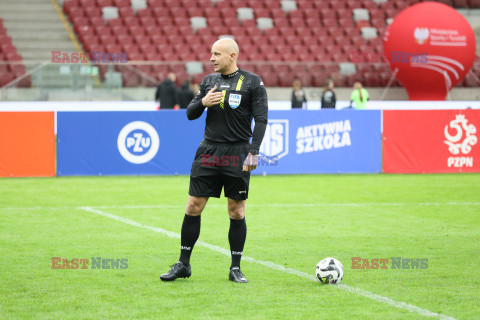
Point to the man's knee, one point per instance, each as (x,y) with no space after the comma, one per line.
(236,209)
(195,205)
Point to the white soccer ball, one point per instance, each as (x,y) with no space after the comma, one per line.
(329,271)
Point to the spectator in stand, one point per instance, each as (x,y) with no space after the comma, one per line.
(185,94)
(167,93)
(359,96)
(329,98)
(299,98)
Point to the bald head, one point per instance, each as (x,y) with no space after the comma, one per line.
(227,45)
(224,56)
(172,76)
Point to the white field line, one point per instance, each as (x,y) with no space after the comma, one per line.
(271,265)
(266,205)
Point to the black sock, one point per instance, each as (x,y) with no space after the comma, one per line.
(236,237)
(190,233)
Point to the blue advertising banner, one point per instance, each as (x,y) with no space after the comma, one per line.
(322,141)
(126,143)
(164,142)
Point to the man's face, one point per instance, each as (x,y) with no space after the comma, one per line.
(220,58)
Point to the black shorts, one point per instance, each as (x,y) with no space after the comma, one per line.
(220,165)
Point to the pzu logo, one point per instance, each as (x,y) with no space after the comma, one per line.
(138,142)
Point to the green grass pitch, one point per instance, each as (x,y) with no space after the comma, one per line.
(293,222)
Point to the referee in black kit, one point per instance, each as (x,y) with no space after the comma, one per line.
(224,158)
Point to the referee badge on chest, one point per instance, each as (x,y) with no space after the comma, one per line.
(234,100)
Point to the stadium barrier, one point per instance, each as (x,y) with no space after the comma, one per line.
(431,141)
(27,144)
(296,141)
(330,141)
(126,143)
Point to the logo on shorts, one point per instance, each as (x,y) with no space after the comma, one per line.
(275,141)
(138,142)
(234,100)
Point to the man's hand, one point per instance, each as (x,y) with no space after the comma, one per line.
(212,98)
(250,162)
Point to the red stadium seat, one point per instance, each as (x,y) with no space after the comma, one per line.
(172,39)
(130,21)
(253,31)
(137,30)
(113,48)
(329,22)
(327,13)
(293,41)
(306,4)
(178,12)
(255,4)
(296,14)
(297,22)
(97,21)
(188,4)
(124,39)
(147,21)
(194,12)
(362,24)
(391,13)
(215,23)
(313,23)
(344,13)
(276,40)
(369,5)
(171,3)
(379,22)
(158,38)
(206,4)
(119,30)
(105,3)
(348,22)
(161,13)
(181,20)
(309,40)
(93,12)
(286,31)
(68,4)
(155,3)
(277,13)
(147,12)
(243,39)
(125,12)
(122,3)
(115,22)
(262,13)
(87,3)
(91,45)
(75,12)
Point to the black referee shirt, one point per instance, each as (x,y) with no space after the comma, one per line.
(244,98)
